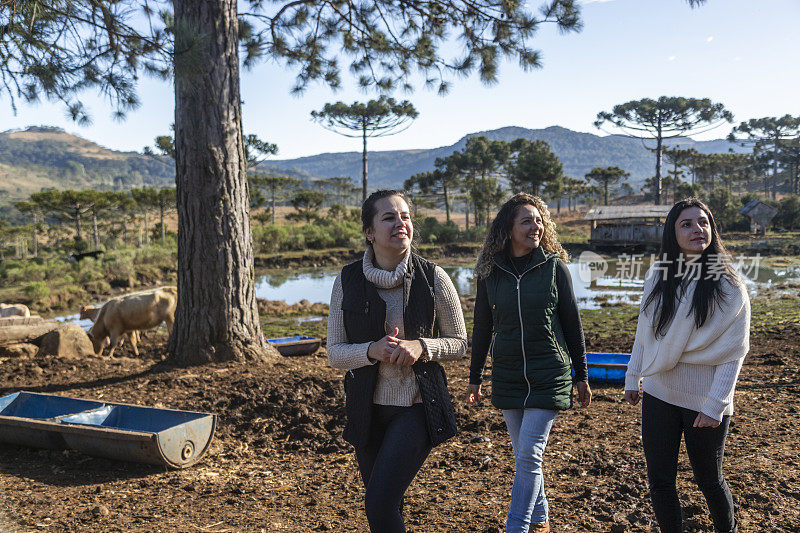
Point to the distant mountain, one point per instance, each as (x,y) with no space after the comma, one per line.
(41,157)
(579,152)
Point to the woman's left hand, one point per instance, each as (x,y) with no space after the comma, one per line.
(406,353)
(705,421)
(584,393)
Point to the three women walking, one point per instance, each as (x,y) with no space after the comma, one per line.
(526,316)
(394,315)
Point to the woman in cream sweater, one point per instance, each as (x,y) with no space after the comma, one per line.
(691,340)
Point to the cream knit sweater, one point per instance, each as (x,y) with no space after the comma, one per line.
(693,368)
(397,385)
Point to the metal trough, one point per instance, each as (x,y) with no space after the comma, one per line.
(607,367)
(296,345)
(167,437)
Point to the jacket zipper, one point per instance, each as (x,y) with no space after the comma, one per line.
(522,328)
(558,347)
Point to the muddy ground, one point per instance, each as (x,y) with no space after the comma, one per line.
(278,462)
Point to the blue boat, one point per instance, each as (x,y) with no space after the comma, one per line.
(297,345)
(166,437)
(607,367)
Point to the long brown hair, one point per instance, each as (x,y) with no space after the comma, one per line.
(670,286)
(497,239)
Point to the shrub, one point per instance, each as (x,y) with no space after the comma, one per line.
(36,291)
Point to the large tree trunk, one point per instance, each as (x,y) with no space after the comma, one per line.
(217,317)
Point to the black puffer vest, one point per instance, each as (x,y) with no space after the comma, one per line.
(365,321)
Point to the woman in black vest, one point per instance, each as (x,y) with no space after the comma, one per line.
(527,317)
(393,315)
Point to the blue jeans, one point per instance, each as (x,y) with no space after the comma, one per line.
(529,429)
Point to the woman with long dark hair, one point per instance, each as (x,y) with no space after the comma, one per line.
(691,340)
(527,317)
(393,316)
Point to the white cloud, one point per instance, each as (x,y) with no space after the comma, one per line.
(595,1)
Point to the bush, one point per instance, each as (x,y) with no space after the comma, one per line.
(788,216)
(36,291)
(271,238)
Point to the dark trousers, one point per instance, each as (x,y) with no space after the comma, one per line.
(397,447)
(662,427)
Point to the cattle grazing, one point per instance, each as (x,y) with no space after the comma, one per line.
(7,310)
(91,311)
(133,312)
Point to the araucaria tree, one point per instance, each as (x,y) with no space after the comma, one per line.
(766,135)
(57,50)
(669,116)
(376,118)
(606,177)
(533,165)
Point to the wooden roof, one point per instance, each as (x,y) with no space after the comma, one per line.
(622,212)
(757,206)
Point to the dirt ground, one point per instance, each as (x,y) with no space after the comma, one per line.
(278,462)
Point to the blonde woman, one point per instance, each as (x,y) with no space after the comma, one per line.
(527,317)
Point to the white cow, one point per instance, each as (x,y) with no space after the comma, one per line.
(133,312)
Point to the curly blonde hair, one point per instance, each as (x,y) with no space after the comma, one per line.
(497,238)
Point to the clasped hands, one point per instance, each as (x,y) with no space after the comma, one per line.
(394,351)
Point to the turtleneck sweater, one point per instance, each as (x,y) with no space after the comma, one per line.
(397,385)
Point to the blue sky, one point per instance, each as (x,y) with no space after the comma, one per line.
(742,53)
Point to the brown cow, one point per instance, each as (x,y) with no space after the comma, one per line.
(7,310)
(91,311)
(133,312)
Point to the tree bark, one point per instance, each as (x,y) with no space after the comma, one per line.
(364,165)
(163,233)
(95,232)
(659,141)
(216,317)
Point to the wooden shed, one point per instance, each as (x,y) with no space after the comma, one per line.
(627,225)
(760,215)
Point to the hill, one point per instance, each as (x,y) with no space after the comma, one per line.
(41,157)
(579,152)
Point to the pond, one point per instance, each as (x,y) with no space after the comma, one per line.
(620,281)
(594,281)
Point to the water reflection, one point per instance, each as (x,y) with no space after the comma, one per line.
(316,285)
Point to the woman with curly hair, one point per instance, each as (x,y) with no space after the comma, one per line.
(691,341)
(527,317)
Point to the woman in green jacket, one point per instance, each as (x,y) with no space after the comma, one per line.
(526,316)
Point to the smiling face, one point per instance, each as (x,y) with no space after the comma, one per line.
(526,234)
(693,231)
(391,231)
